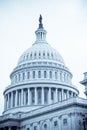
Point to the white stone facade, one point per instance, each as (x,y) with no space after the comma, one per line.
(41,95)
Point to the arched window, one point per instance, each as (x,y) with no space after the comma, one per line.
(33,74)
(64,121)
(39,55)
(39,74)
(50,74)
(45,74)
(56,75)
(55,123)
(35,127)
(47,55)
(45,126)
(43,54)
(35,55)
(31,56)
(28,75)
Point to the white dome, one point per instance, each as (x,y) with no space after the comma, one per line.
(40,78)
(40,52)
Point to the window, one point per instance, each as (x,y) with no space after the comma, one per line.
(39,55)
(45,126)
(50,74)
(45,74)
(43,55)
(55,123)
(28,75)
(35,127)
(31,55)
(19,76)
(64,121)
(33,74)
(48,55)
(39,74)
(55,75)
(35,55)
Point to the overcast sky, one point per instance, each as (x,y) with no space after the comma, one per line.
(65,22)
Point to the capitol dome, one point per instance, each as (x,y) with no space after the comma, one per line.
(39,79)
(40,52)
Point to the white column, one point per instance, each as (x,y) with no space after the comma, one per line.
(56,96)
(49,96)
(11,99)
(16,98)
(35,96)
(42,95)
(21,97)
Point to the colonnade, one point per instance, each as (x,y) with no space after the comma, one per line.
(35,96)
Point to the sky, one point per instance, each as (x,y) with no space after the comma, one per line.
(66,24)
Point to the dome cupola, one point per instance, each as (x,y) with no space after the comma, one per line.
(40,33)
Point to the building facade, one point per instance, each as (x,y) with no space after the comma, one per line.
(41,95)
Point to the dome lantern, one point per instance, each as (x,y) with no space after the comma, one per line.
(40,33)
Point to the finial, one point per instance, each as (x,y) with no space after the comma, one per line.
(40,22)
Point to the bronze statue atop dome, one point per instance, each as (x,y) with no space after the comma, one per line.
(40,19)
(40,22)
